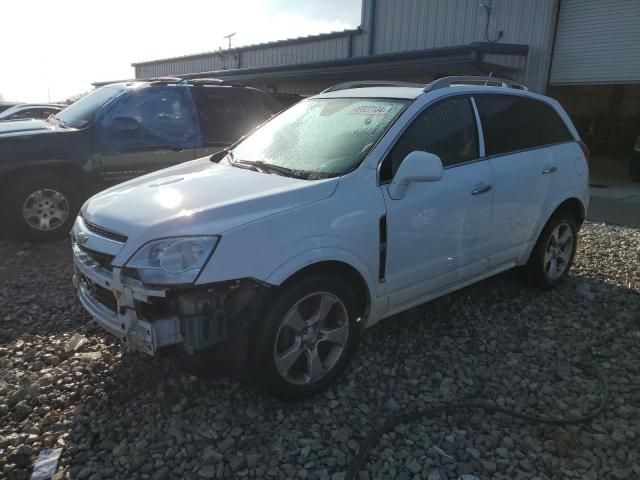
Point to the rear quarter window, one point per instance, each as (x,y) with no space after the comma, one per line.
(513,123)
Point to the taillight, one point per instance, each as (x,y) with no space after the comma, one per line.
(585,150)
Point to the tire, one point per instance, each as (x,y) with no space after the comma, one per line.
(550,248)
(283,331)
(40,207)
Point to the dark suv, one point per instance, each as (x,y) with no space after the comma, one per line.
(117,132)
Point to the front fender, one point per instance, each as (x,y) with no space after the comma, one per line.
(324,254)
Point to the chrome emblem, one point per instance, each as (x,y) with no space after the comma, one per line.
(82,238)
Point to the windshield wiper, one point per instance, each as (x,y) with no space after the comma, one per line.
(261,165)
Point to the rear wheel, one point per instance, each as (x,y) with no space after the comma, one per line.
(553,254)
(307,337)
(40,207)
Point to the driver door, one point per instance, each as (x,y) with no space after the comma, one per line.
(438,233)
(139,135)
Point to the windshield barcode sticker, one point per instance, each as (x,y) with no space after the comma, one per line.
(371,110)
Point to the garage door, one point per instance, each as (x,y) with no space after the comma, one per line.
(598,41)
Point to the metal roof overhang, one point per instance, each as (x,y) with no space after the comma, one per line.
(445,60)
(466,58)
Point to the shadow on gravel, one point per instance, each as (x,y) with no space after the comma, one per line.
(496,341)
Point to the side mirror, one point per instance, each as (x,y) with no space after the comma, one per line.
(416,167)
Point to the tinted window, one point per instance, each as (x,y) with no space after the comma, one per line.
(227,113)
(447,129)
(269,104)
(516,123)
(149,117)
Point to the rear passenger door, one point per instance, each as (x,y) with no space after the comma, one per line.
(225,114)
(518,136)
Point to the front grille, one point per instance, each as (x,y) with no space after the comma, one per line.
(102,259)
(106,233)
(101,294)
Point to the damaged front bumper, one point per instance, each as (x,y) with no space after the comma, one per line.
(112,301)
(148,318)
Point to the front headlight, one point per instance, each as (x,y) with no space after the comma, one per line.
(172,261)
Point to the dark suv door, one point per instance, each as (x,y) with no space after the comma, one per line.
(226,113)
(148,129)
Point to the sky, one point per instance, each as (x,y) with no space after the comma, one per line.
(54,49)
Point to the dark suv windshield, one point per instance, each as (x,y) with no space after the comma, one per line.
(81,113)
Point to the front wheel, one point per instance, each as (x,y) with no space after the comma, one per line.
(307,337)
(40,207)
(553,254)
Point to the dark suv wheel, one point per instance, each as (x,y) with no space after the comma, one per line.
(308,336)
(40,207)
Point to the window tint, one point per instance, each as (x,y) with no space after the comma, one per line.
(270,105)
(512,123)
(447,129)
(226,113)
(149,118)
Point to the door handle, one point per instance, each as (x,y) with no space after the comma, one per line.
(481,190)
(549,170)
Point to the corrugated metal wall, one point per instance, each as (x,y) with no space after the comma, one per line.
(598,41)
(307,52)
(403,25)
(263,56)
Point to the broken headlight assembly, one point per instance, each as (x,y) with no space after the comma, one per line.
(172,261)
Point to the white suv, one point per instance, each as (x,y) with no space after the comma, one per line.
(347,208)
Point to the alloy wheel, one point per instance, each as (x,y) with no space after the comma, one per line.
(311,338)
(558,251)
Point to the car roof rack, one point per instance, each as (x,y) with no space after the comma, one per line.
(474,80)
(195,81)
(214,81)
(370,83)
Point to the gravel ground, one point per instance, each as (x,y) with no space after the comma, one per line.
(123,416)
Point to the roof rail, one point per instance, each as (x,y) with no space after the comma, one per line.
(474,80)
(195,81)
(370,83)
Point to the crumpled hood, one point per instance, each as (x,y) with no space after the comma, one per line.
(25,127)
(196,198)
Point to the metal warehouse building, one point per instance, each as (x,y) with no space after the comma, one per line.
(584,52)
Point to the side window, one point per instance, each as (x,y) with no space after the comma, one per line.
(447,129)
(511,123)
(30,113)
(223,113)
(148,118)
(270,104)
